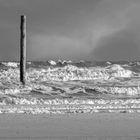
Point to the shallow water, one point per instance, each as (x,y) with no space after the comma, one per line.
(72,138)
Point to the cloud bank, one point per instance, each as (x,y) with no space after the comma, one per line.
(73,29)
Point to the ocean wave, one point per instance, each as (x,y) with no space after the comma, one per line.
(70,87)
(111,79)
(70,72)
(10,64)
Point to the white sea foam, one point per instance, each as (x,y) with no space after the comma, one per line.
(10,64)
(47,86)
(70,72)
(52,62)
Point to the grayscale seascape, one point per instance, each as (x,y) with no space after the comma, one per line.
(69,69)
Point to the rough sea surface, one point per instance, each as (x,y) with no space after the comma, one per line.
(70,87)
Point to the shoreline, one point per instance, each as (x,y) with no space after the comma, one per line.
(70,126)
(72,107)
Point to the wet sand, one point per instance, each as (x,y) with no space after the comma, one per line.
(97,126)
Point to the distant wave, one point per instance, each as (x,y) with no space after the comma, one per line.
(70,72)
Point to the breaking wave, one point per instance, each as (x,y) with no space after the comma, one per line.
(94,85)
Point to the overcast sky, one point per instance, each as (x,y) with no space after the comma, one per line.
(72,29)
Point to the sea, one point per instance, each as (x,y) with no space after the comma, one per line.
(61,87)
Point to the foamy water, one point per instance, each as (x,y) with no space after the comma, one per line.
(70,87)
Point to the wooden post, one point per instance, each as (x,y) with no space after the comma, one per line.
(23,49)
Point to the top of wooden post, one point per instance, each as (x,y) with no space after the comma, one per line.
(23,16)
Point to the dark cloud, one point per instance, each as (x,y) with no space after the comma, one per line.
(64,14)
(121,46)
(9,44)
(71,29)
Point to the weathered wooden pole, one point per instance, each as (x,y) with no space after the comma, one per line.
(23,49)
